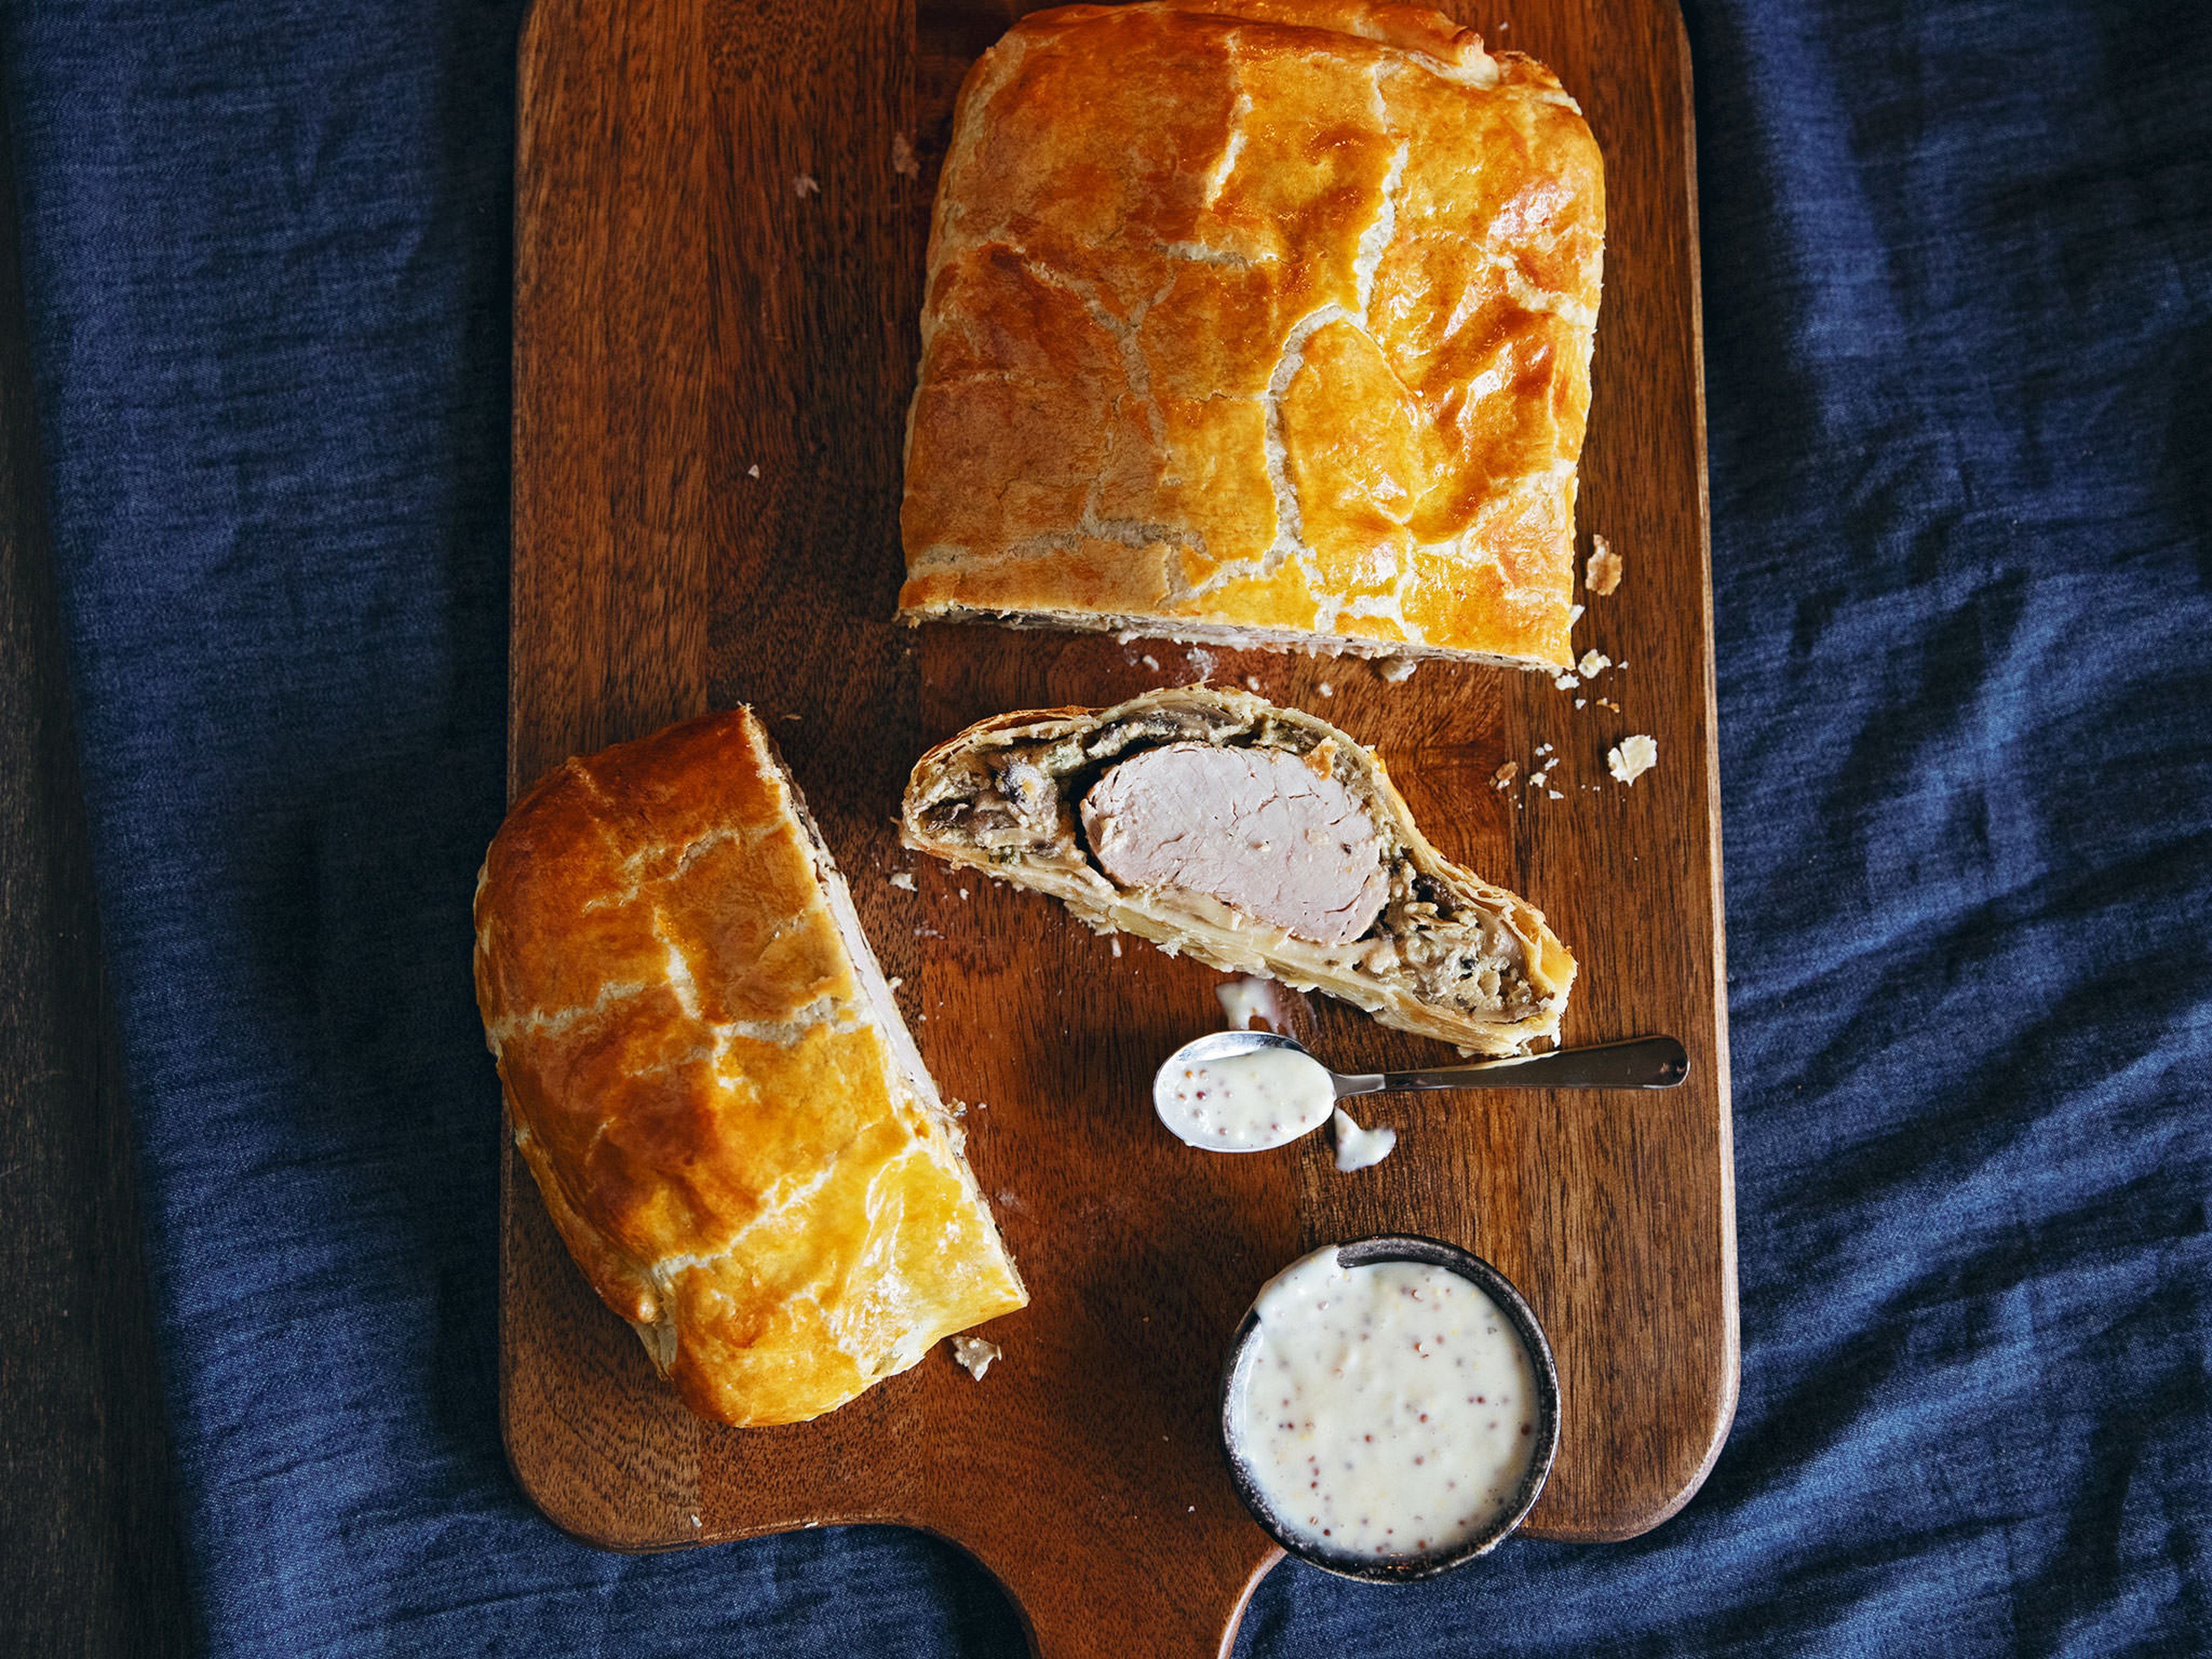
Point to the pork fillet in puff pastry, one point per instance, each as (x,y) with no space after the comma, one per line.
(1258,322)
(708,1077)
(1259,840)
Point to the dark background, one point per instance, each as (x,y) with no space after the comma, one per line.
(91,1562)
(252,377)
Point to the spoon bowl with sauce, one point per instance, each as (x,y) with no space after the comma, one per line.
(1248,1091)
(1389,1408)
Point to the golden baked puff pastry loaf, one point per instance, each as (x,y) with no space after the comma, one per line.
(1258,322)
(705,1073)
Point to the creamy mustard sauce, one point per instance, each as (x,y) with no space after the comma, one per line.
(1357,1148)
(1249,1103)
(1243,1000)
(1388,1410)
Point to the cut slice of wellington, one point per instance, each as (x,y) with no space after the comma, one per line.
(1259,840)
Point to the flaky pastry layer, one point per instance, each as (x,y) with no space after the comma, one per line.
(705,1070)
(1451,955)
(1258,322)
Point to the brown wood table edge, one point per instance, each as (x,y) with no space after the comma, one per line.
(1723,1416)
(545,1493)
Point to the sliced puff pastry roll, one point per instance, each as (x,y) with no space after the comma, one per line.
(708,1077)
(1258,839)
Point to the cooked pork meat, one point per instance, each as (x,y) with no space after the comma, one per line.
(1259,840)
(1257,829)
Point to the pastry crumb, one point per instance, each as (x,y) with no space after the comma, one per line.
(963,892)
(973,1355)
(1573,615)
(902,157)
(1607,703)
(806,184)
(1397,670)
(893,984)
(1503,778)
(1116,943)
(1150,662)
(1594,663)
(904,882)
(753,472)
(1555,794)
(1601,575)
(1582,703)
(1565,682)
(1251,682)
(1326,689)
(1631,758)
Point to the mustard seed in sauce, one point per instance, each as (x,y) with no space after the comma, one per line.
(1249,1102)
(1372,1364)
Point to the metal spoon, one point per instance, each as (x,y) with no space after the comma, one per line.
(1655,1062)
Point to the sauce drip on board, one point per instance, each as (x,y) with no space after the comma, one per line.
(1357,1148)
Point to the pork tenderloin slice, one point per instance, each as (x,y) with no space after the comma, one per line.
(1262,830)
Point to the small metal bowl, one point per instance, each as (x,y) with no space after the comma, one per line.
(1365,1251)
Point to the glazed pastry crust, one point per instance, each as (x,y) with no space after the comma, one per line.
(706,1074)
(1258,322)
(1451,956)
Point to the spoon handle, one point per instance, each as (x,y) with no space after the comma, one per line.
(1653,1062)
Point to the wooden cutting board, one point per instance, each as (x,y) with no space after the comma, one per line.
(720,216)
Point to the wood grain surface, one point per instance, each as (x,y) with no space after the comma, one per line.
(721,214)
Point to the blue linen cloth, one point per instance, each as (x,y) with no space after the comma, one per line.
(1959,314)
